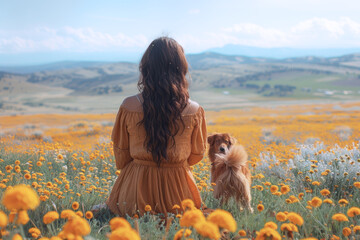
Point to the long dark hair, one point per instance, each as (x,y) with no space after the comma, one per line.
(164,89)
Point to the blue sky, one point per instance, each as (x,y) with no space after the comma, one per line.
(35,31)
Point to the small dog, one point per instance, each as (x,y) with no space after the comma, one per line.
(229,170)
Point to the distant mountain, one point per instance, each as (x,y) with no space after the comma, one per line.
(278,53)
(212,59)
(50,66)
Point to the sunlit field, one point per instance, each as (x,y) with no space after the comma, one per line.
(305,163)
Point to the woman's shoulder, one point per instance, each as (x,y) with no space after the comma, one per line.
(132,103)
(192,108)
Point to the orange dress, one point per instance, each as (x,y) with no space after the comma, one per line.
(141,182)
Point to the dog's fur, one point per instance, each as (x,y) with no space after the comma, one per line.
(229,170)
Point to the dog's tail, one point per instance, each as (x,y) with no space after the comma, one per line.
(235,158)
(235,176)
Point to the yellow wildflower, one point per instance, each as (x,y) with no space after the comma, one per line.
(268,233)
(147,208)
(316,202)
(182,233)
(271,225)
(352,212)
(295,218)
(119,222)
(281,217)
(187,204)
(289,227)
(223,219)
(20,197)
(89,215)
(77,226)
(124,234)
(75,205)
(191,217)
(325,192)
(51,216)
(3,219)
(346,231)
(207,229)
(340,217)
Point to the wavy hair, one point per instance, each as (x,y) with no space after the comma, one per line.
(164,89)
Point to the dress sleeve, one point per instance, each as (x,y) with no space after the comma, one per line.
(198,138)
(120,138)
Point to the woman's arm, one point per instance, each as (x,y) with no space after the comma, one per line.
(198,138)
(120,138)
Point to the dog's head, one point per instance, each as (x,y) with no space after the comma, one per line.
(220,142)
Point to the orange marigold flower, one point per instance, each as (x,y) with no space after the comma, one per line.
(207,229)
(346,231)
(357,184)
(271,225)
(343,202)
(23,217)
(285,189)
(281,217)
(315,183)
(147,208)
(187,204)
(20,197)
(77,226)
(223,219)
(124,234)
(356,229)
(293,199)
(325,192)
(340,217)
(242,233)
(35,232)
(17,237)
(67,213)
(316,202)
(274,188)
(289,227)
(328,201)
(295,218)
(119,222)
(89,215)
(301,195)
(3,219)
(268,233)
(191,217)
(176,207)
(182,233)
(79,213)
(352,212)
(260,207)
(75,205)
(49,217)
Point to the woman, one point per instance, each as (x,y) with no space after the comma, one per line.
(157,135)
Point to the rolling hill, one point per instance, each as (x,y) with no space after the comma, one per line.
(216,81)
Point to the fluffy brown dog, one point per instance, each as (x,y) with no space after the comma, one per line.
(229,170)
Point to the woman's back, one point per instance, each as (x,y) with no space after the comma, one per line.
(141,181)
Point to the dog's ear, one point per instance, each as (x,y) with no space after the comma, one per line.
(233,141)
(211,139)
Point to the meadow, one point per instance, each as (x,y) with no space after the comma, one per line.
(305,163)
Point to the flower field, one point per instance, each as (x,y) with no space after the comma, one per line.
(305,163)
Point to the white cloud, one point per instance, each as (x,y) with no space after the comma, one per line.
(194,11)
(311,33)
(69,39)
